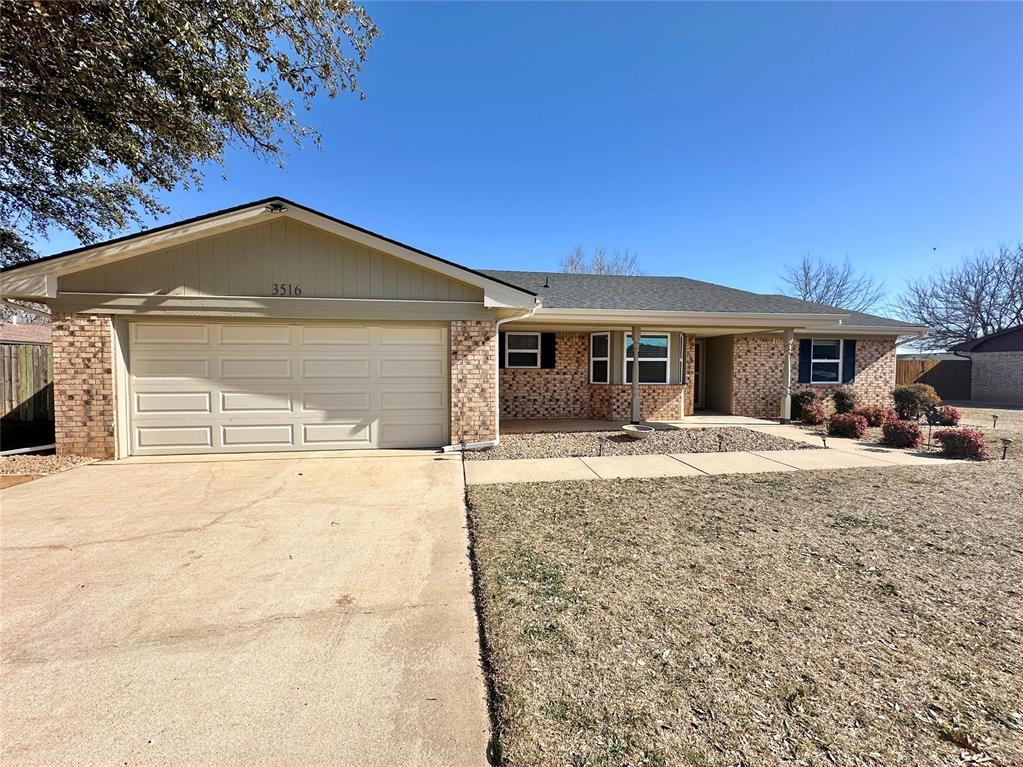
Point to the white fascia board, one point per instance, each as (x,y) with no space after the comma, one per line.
(31,287)
(708,319)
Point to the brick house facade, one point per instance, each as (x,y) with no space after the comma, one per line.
(83,386)
(473,380)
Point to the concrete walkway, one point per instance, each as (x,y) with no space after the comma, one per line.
(840,454)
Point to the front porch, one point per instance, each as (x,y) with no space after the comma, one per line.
(700,420)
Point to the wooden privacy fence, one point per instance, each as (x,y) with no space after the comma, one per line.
(27,382)
(950,378)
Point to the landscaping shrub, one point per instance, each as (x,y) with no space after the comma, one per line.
(962,443)
(877,416)
(801,399)
(813,414)
(912,401)
(946,416)
(902,434)
(847,425)
(844,399)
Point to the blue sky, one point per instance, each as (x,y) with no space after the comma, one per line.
(718,141)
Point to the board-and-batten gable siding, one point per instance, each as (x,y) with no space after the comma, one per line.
(248,262)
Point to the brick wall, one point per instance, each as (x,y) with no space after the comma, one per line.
(998,377)
(657,402)
(558,392)
(83,385)
(473,380)
(758,365)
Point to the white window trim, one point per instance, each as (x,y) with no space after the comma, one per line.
(606,359)
(665,359)
(508,350)
(841,357)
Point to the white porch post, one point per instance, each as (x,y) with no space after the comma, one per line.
(636,336)
(786,401)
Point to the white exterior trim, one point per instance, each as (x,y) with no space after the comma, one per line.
(508,350)
(666,359)
(590,359)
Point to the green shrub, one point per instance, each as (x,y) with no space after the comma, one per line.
(912,401)
(801,399)
(847,425)
(962,443)
(902,434)
(844,399)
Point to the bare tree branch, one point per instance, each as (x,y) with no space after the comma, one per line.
(982,295)
(623,262)
(823,282)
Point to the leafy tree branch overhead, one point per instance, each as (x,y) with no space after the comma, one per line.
(105,104)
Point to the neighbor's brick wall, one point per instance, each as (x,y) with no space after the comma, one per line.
(758,372)
(998,377)
(473,380)
(83,385)
(558,392)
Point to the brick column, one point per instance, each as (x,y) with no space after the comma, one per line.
(473,380)
(83,385)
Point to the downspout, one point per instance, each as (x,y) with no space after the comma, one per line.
(497,390)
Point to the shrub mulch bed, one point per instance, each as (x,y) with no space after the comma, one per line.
(856,617)
(661,442)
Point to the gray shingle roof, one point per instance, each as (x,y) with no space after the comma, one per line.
(679,294)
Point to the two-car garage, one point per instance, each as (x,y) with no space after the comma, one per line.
(222,387)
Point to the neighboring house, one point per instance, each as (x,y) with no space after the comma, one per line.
(997,366)
(271,326)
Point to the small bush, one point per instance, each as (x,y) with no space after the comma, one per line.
(813,414)
(962,443)
(844,399)
(902,434)
(847,425)
(946,416)
(912,401)
(801,399)
(877,416)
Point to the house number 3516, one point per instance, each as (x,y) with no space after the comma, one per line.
(287,289)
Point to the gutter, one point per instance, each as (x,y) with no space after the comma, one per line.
(497,390)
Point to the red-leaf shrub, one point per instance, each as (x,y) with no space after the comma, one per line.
(878,416)
(902,434)
(962,443)
(847,425)
(813,414)
(946,416)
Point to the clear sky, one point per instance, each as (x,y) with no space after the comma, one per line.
(718,141)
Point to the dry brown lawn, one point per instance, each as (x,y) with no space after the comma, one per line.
(857,617)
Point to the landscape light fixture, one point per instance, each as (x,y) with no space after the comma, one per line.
(824,437)
(1006,441)
(600,446)
(994,420)
(721,443)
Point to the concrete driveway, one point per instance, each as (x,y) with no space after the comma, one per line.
(272,611)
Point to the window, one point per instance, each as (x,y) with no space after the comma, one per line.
(600,349)
(522,350)
(825,361)
(653,358)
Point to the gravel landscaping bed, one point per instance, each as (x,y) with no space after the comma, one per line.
(39,464)
(863,617)
(587,443)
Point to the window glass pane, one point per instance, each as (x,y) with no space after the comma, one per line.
(649,346)
(824,372)
(649,372)
(519,341)
(599,346)
(825,350)
(523,359)
(600,371)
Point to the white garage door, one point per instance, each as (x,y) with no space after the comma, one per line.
(249,387)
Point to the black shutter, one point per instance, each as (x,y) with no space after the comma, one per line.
(805,350)
(848,360)
(548,349)
(500,350)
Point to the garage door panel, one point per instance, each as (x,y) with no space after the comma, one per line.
(242,401)
(172,402)
(334,401)
(251,387)
(253,367)
(260,435)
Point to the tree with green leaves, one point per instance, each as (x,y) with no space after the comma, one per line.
(105,103)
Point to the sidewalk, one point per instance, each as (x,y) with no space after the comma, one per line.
(840,454)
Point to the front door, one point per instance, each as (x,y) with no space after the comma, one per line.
(698,376)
